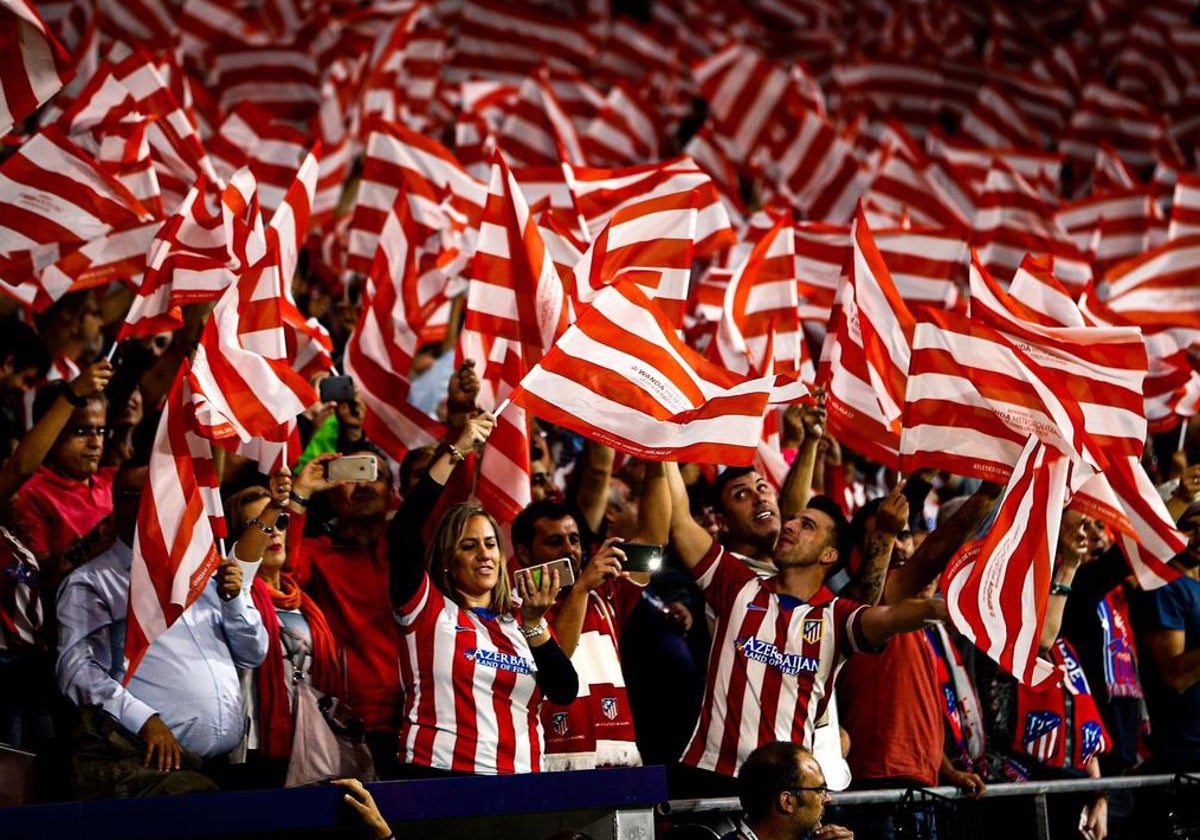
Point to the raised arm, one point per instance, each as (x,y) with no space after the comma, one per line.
(654,508)
(889,520)
(691,542)
(39,440)
(806,424)
(405,547)
(592,496)
(935,552)
(886,620)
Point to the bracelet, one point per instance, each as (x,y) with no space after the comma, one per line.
(1060,589)
(68,394)
(534,631)
(297,499)
(456,457)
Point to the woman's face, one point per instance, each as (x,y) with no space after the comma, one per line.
(476,566)
(276,551)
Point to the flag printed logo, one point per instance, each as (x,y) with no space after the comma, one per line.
(608,705)
(1041,734)
(814,628)
(1092,741)
(558,723)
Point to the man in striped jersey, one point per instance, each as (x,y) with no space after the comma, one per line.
(780,641)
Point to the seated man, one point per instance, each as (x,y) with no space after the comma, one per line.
(184,702)
(783,795)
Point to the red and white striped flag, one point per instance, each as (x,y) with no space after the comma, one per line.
(1105,366)
(622,376)
(997,587)
(759,329)
(174,547)
(516,309)
(536,130)
(33,65)
(655,236)
(1124,497)
(54,200)
(379,353)
(865,358)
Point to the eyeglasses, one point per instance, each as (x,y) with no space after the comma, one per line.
(282,520)
(820,791)
(101,432)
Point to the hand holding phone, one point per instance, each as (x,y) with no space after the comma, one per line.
(641,557)
(352,468)
(566,573)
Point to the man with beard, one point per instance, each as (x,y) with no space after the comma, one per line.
(345,570)
(1168,624)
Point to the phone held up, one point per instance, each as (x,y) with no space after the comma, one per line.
(336,389)
(566,574)
(641,557)
(352,468)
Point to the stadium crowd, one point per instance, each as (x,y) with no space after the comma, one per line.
(222,562)
(406,600)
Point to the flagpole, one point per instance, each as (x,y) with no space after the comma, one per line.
(221,548)
(112,351)
(503,405)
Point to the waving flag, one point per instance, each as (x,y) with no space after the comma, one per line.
(997,587)
(174,547)
(622,376)
(33,65)
(865,358)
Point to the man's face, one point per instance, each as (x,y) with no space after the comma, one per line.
(810,804)
(1098,539)
(541,476)
(553,539)
(363,499)
(20,381)
(77,452)
(806,539)
(622,511)
(1190,527)
(1072,536)
(750,511)
(127,497)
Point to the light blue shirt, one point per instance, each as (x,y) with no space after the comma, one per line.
(188,676)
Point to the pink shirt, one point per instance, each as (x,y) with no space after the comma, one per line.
(58,510)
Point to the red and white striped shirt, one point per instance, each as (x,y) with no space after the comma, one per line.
(773,662)
(596,730)
(470,696)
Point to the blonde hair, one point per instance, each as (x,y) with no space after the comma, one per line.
(439,555)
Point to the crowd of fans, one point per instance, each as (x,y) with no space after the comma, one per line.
(459,652)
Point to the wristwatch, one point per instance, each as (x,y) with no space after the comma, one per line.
(534,631)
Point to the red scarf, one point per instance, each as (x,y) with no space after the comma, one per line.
(274,700)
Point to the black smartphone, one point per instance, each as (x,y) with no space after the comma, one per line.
(641,557)
(336,389)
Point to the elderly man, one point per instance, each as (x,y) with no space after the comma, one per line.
(783,796)
(184,703)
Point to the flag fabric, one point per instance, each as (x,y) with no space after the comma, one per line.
(655,237)
(33,64)
(865,358)
(622,376)
(174,546)
(759,326)
(997,586)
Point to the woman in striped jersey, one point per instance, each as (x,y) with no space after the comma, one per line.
(475,662)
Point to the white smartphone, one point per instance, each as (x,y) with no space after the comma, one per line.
(566,574)
(352,468)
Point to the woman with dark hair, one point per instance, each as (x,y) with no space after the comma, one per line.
(299,642)
(476,660)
